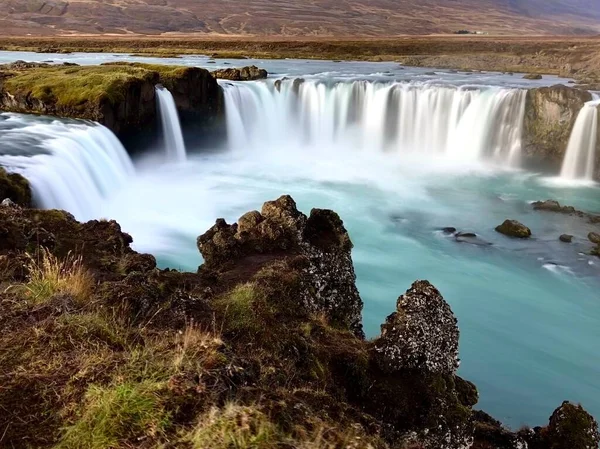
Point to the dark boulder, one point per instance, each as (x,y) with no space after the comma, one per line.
(513,228)
(566,238)
(449,230)
(490,433)
(250,73)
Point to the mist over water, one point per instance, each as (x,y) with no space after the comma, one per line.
(398,162)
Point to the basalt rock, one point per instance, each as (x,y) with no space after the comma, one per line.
(554,206)
(320,244)
(415,386)
(105,248)
(490,433)
(250,73)
(14,187)
(566,238)
(570,427)
(550,114)
(513,228)
(422,334)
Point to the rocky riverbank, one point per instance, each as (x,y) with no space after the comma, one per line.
(261,348)
(119,96)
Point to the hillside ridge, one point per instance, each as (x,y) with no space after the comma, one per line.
(298,18)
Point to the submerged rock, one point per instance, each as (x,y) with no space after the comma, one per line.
(513,228)
(320,241)
(471,238)
(449,230)
(532,76)
(554,206)
(421,334)
(250,73)
(566,238)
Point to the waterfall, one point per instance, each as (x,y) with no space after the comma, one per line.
(580,157)
(174,144)
(70,165)
(463,123)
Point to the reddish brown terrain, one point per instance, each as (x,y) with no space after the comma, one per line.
(298,17)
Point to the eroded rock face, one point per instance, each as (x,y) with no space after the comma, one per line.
(550,115)
(320,242)
(250,73)
(130,107)
(513,228)
(422,333)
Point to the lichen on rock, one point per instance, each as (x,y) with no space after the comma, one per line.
(421,334)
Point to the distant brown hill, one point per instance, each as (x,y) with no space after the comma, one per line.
(298,17)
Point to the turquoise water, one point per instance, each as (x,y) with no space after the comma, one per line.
(528,310)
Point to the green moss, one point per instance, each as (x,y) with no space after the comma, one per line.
(114,415)
(241,308)
(74,87)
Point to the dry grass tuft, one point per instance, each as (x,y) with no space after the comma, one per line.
(49,275)
(235,427)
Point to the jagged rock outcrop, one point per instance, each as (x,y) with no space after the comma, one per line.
(271,321)
(513,228)
(422,334)
(14,187)
(417,357)
(250,73)
(550,114)
(121,96)
(319,242)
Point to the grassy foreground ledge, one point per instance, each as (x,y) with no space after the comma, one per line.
(262,348)
(119,96)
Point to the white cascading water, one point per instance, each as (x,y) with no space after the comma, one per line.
(463,123)
(580,157)
(76,165)
(174,143)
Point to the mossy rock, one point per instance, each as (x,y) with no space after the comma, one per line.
(15,187)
